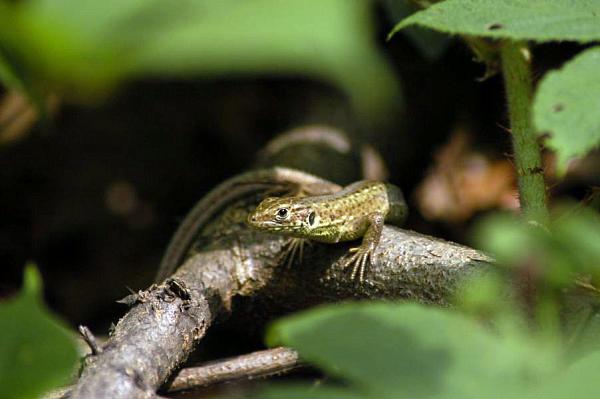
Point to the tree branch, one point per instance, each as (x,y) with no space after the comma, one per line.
(167,321)
(253,365)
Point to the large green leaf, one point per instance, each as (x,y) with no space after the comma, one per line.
(580,380)
(537,20)
(37,353)
(85,47)
(567,106)
(429,43)
(390,351)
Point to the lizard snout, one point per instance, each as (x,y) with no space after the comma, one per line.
(252,219)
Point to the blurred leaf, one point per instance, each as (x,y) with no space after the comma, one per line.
(566,106)
(8,75)
(464,180)
(407,350)
(330,40)
(582,320)
(480,294)
(86,47)
(580,232)
(537,20)
(580,380)
(37,352)
(570,245)
(504,236)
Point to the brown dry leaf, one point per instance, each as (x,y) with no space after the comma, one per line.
(18,115)
(464,181)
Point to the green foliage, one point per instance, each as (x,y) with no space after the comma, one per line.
(37,353)
(537,20)
(566,106)
(567,101)
(86,47)
(560,265)
(569,244)
(384,350)
(578,381)
(429,43)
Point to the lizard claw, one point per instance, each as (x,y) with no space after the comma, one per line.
(360,258)
(293,247)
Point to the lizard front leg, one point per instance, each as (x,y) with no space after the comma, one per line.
(293,250)
(361,256)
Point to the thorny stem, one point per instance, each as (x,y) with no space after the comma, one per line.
(528,160)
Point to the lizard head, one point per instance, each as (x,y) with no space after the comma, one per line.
(285,215)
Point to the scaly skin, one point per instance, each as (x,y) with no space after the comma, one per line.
(358,210)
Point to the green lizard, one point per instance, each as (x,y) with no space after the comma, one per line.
(276,179)
(358,210)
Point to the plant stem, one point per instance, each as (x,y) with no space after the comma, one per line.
(528,160)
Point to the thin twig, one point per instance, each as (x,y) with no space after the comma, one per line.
(90,339)
(253,365)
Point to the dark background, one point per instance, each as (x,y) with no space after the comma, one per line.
(94,197)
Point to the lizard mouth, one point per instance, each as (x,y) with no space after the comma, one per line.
(267,225)
(253,221)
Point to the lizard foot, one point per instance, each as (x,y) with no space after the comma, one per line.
(293,250)
(360,258)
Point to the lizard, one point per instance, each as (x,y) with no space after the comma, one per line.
(358,210)
(269,180)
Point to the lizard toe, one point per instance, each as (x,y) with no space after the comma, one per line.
(359,260)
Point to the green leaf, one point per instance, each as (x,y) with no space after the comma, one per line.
(504,236)
(37,352)
(32,283)
(328,40)
(479,295)
(390,351)
(567,105)
(580,380)
(581,324)
(536,20)
(8,75)
(429,43)
(570,244)
(86,47)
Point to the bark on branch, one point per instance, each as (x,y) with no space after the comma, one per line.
(167,321)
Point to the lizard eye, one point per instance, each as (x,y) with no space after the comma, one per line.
(282,213)
(311,218)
